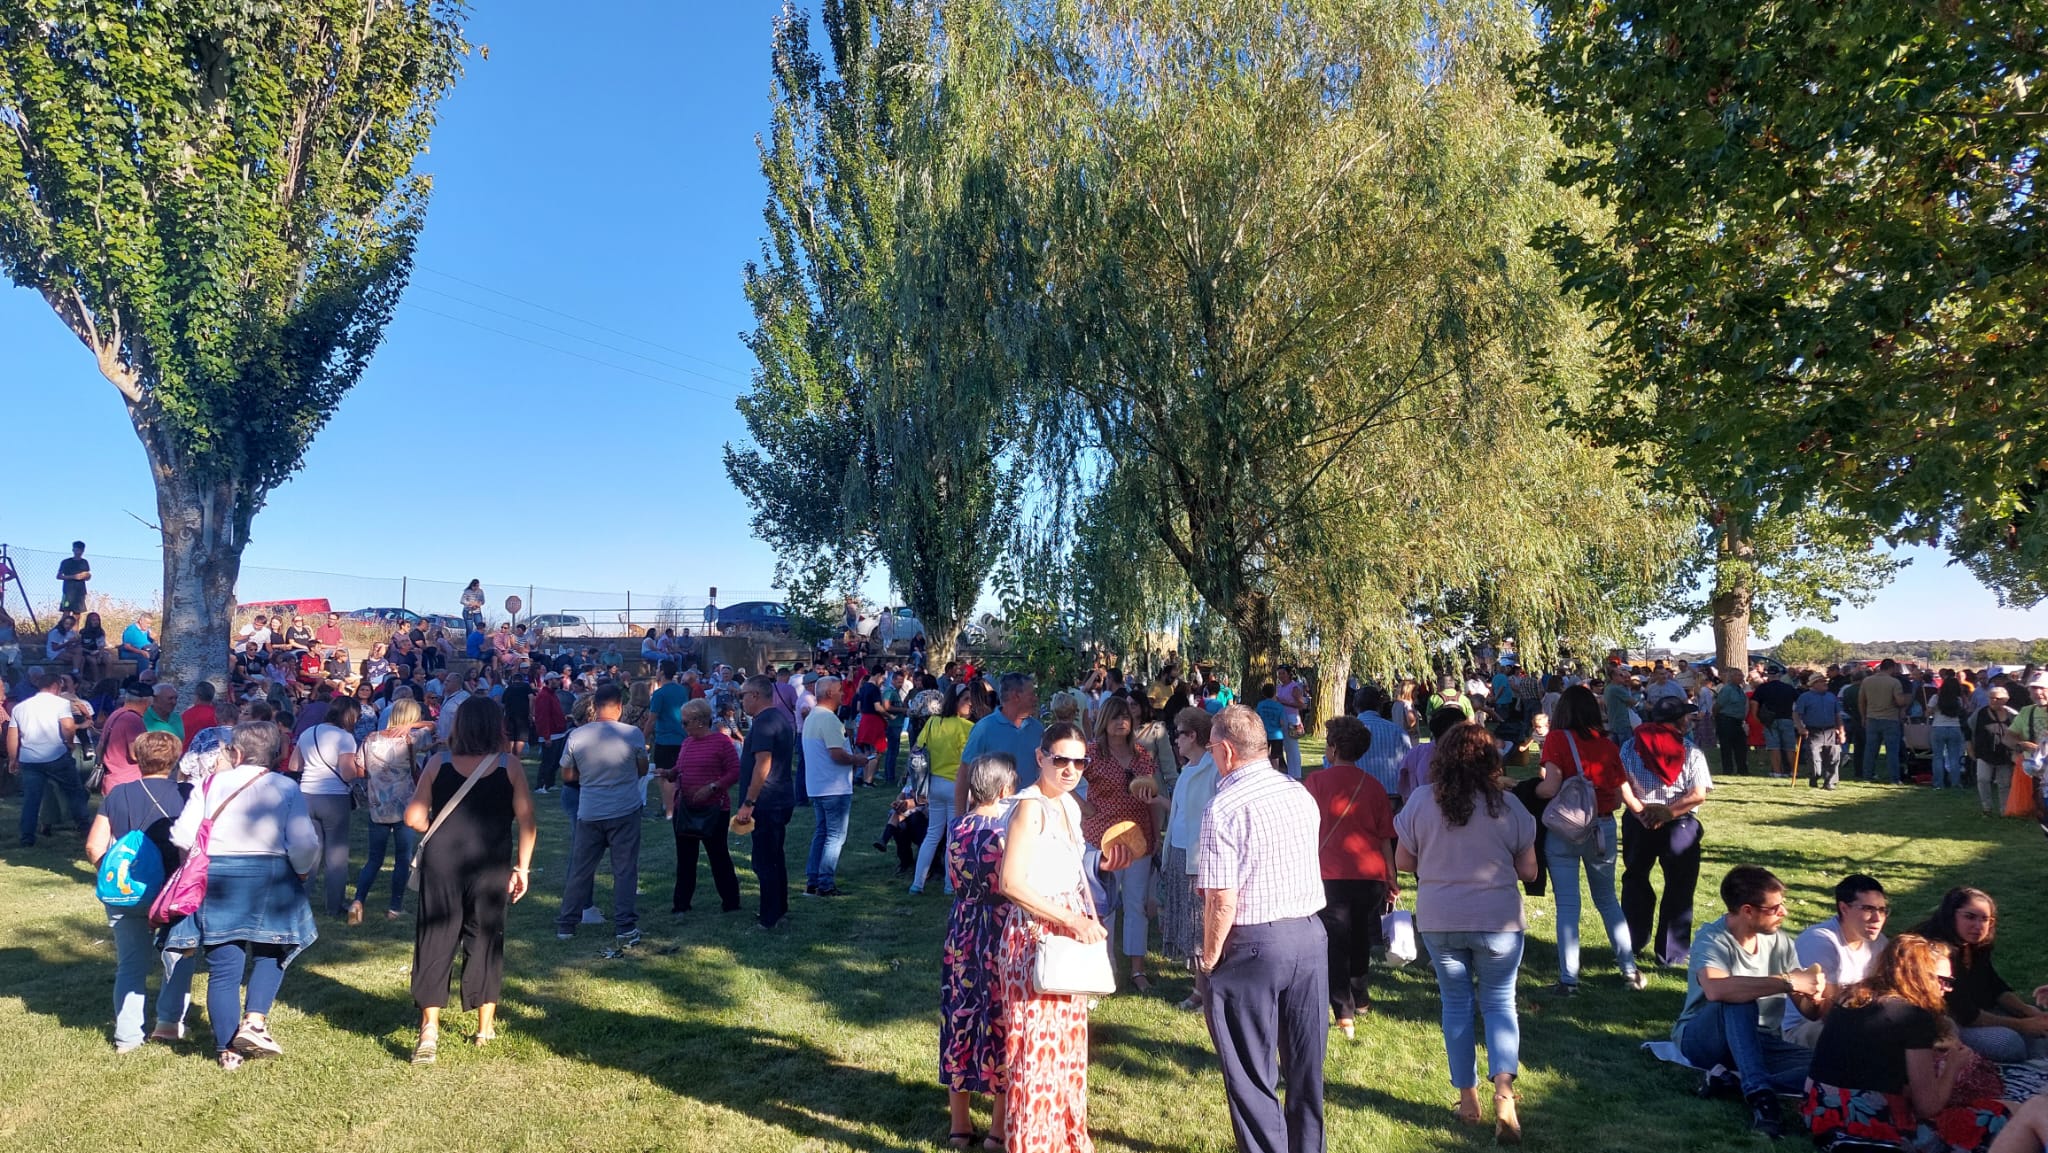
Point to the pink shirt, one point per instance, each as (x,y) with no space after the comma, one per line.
(711,759)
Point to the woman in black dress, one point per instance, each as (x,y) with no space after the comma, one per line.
(466,869)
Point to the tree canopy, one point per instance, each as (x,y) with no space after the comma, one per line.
(1820,282)
(219,200)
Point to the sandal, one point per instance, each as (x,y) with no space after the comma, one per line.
(993,1142)
(230,1060)
(1471,1117)
(1506,1130)
(961,1140)
(482,1039)
(393,914)
(1141,983)
(1192,1004)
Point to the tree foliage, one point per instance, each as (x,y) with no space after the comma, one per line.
(1821,278)
(889,399)
(1291,302)
(218,199)
(1806,646)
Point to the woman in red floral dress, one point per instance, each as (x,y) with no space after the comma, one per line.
(1888,1065)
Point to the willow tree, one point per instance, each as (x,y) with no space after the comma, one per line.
(887,305)
(219,201)
(1290,270)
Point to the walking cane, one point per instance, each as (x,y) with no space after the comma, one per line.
(1798,756)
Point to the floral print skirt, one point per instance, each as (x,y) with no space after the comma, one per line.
(1880,1116)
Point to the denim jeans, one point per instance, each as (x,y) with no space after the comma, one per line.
(1948,755)
(226,964)
(1886,731)
(620,836)
(134,951)
(2003,1045)
(59,777)
(1726,1034)
(937,835)
(821,868)
(1492,960)
(381,835)
(1599,854)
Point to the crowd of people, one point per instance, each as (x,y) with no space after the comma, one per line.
(1091,817)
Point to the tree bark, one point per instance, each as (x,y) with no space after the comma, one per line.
(1251,613)
(1734,585)
(205,523)
(940,639)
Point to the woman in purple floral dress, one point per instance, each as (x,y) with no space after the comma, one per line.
(971,1035)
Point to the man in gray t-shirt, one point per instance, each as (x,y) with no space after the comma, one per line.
(606,760)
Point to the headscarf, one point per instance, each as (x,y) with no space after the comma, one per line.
(206,755)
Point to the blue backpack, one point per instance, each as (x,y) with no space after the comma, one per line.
(131,872)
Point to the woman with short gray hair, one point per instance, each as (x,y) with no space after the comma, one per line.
(254,919)
(971,1033)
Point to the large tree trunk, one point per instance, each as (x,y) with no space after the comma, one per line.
(1251,614)
(1733,586)
(205,528)
(940,639)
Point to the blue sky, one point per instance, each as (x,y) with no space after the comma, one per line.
(605,170)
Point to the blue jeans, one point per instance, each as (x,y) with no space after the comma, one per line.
(1886,731)
(225,966)
(60,776)
(1492,960)
(134,950)
(406,839)
(1598,853)
(1725,1034)
(1948,755)
(822,867)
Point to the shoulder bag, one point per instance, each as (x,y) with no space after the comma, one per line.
(1571,813)
(412,883)
(1063,965)
(186,889)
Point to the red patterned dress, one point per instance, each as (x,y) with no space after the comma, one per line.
(1047,1040)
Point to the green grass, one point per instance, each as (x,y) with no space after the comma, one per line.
(713,1036)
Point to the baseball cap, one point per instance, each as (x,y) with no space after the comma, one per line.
(2038,681)
(1669,709)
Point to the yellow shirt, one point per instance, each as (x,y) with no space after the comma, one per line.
(943,738)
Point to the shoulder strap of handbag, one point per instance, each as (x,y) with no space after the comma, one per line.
(209,818)
(1350,806)
(468,783)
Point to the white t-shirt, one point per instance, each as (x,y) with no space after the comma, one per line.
(320,751)
(823,776)
(40,720)
(445,728)
(1822,945)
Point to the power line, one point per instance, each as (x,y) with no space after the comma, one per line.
(577,336)
(568,352)
(593,324)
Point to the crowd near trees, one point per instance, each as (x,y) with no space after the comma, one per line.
(1343,330)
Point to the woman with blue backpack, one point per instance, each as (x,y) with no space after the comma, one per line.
(130,843)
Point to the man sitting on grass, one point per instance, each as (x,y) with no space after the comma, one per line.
(1741,973)
(1845,946)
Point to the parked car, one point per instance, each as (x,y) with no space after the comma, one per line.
(753,617)
(562,625)
(450,623)
(303,607)
(907,624)
(390,616)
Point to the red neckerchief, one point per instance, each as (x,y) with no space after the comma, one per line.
(1661,748)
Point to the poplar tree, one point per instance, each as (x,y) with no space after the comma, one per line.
(219,200)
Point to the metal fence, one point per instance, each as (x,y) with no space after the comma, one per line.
(134,584)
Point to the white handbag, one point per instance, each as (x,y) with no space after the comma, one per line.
(1397,931)
(1066,966)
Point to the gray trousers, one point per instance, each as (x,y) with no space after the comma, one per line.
(619,836)
(330,817)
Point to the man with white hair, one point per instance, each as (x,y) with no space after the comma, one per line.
(829,763)
(1263,946)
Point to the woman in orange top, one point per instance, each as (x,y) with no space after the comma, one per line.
(1114,761)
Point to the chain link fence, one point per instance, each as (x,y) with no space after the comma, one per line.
(134,584)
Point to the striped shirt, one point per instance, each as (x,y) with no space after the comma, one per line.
(1259,839)
(1389,745)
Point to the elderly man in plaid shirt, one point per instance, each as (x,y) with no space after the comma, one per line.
(1262,944)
